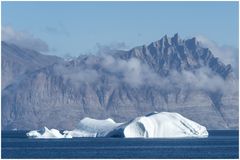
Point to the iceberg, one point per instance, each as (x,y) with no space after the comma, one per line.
(46,133)
(160,125)
(153,125)
(89,127)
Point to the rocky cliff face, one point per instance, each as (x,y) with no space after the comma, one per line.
(168,75)
(16,61)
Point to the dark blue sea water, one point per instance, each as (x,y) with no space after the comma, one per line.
(220,144)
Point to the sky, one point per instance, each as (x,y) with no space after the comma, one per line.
(74,28)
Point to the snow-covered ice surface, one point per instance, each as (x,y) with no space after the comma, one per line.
(153,125)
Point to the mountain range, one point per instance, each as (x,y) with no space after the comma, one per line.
(171,74)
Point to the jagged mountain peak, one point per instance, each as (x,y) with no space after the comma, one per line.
(163,56)
(174,53)
(175,41)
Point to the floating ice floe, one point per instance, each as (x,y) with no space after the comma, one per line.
(153,125)
(47,133)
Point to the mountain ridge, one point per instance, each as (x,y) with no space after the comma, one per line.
(17,60)
(167,75)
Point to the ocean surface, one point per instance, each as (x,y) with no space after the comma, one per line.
(219,144)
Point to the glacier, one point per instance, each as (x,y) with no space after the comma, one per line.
(153,125)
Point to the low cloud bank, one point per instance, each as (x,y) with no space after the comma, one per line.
(23,39)
(137,74)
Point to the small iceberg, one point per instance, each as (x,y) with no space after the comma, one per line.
(46,133)
(153,125)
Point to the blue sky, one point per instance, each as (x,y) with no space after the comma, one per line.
(81,27)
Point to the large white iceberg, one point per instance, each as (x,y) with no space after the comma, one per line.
(160,125)
(153,125)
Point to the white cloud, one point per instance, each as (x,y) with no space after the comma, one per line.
(75,75)
(60,29)
(23,39)
(137,74)
(105,49)
(131,71)
(201,79)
